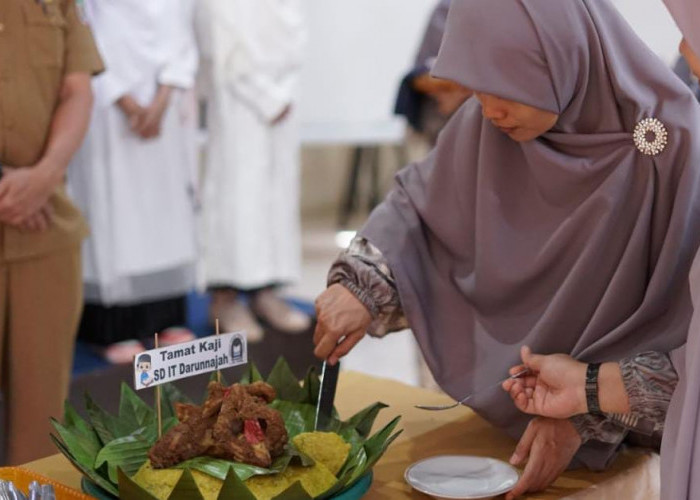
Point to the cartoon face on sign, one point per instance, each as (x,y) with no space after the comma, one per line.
(143,366)
(237,349)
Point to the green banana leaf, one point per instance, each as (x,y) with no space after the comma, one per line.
(363,421)
(79,426)
(109,449)
(294,492)
(286,384)
(129,452)
(220,468)
(312,386)
(108,427)
(235,488)
(170,396)
(83,448)
(96,476)
(252,375)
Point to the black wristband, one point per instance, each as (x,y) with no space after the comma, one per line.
(592,389)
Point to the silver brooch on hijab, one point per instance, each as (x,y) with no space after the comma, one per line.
(650,136)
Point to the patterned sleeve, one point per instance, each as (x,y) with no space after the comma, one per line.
(598,428)
(650,380)
(363,270)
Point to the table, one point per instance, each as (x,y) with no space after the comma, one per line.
(634,476)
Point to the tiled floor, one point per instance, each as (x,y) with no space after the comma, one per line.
(395,356)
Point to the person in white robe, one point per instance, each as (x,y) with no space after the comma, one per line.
(134,177)
(252,52)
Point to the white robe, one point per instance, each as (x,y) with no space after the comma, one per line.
(252,53)
(138,195)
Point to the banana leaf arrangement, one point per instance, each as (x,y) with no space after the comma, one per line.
(109,449)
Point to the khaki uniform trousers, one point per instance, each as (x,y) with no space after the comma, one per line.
(40,306)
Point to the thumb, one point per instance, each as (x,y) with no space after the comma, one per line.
(532,361)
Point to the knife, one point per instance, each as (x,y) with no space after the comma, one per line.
(326,396)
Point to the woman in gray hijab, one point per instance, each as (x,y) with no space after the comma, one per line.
(560,210)
(638,392)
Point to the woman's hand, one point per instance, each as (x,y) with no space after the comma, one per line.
(554,388)
(284,114)
(548,445)
(38,222)
(24,192)
(148,125)
(342,321)
(133,111)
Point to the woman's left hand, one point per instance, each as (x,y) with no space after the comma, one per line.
(148,125)
(548,445)
(554,386)
(23,193)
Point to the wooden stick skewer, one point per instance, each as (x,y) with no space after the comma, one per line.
(218,372)
(158,401)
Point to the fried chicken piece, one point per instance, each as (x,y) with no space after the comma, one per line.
(272,425)
(189,439)
(212,405)
(228,427)
(262,390)
(234,423)
(185,412)
(262,425)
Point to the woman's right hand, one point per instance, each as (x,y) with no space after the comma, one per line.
(133,111)
(342,321)
(554,388)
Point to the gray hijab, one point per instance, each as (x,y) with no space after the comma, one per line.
(680,449)
(576,242)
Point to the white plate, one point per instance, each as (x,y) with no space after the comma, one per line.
(461,477)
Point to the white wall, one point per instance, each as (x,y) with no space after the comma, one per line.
(653,24)
(357,53)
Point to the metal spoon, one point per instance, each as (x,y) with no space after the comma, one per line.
(47,492)
(34,490)
(8,491)
(4,490)
(462,401)
(16,494)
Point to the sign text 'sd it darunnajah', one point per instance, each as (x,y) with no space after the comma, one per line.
(192,358)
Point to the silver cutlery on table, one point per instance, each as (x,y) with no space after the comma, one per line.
(41,491)
(47,492)
(463,400)
(8,491)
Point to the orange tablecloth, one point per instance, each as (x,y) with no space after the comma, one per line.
(634,475)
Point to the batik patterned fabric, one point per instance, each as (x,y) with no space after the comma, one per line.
(649,377)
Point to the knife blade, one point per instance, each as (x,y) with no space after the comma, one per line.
(326,396)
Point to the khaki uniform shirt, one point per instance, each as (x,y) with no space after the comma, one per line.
(40,42)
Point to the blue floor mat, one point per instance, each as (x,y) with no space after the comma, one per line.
(86,360)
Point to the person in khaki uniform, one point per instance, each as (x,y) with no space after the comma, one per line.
(47,56)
